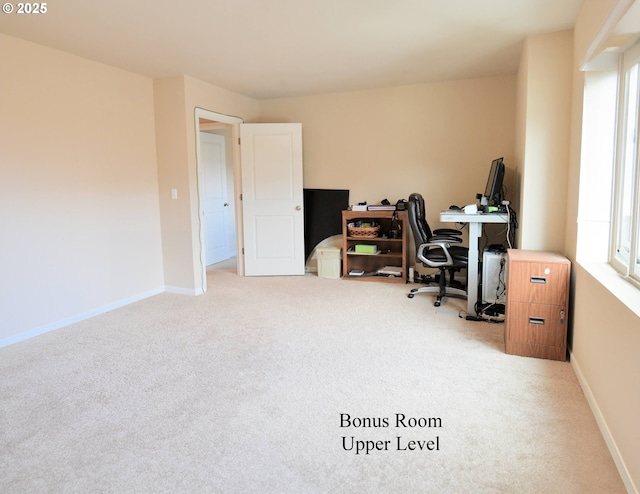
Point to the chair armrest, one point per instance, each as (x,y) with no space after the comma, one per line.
(440,245)
(446,231)
(446,238)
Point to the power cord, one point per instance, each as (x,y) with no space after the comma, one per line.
(501,282)
(493,312)
(512,226)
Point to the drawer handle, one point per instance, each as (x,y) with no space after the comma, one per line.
(538,279)
(536,320)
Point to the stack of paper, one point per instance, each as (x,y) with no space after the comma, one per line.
(391,271)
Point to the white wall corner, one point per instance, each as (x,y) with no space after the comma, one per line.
(184,291)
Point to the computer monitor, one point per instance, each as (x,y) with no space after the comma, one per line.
(493,190)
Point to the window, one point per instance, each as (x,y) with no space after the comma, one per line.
(625,238)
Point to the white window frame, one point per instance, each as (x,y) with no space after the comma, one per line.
(629,269)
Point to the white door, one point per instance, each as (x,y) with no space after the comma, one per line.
(271,156)
(214,202)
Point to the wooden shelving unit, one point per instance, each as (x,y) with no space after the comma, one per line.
(391,251)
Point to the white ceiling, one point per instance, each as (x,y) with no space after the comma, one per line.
(279,48)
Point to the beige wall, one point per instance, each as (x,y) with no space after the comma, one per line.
(436,139)
(594,15)
(79,201)
(171,139)
(544,111)
(605,340)
(520,126)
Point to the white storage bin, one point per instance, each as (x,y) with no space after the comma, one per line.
(329,265)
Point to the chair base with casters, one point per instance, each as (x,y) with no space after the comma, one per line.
(429,279)
(442,290)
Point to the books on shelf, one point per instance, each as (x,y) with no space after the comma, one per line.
(390,271)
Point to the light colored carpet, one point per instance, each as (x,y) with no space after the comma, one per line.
(241,390)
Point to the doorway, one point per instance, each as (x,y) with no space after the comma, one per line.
(216,202)
(212,123)
(276,247)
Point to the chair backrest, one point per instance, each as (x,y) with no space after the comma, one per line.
(417,221)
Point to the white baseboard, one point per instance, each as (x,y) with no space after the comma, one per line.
(604,428)
(31,333)
(183,291)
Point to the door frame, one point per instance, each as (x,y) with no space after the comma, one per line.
(234,123)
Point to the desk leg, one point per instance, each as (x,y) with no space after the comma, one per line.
(475,231)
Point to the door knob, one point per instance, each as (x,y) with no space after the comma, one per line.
(298,208)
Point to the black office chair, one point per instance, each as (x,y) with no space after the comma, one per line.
(435,250)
